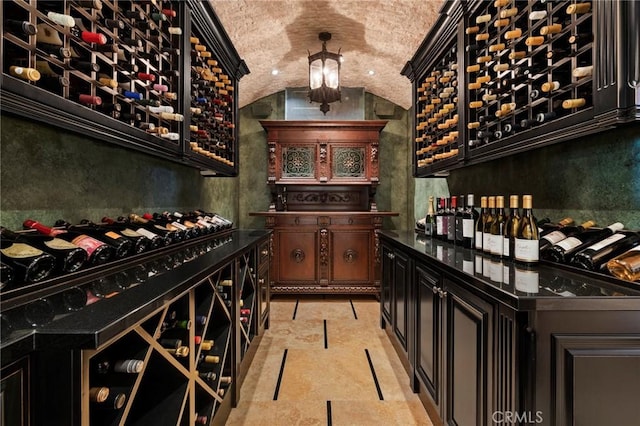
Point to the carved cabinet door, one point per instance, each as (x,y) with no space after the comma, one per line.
(297,254)
(351,256)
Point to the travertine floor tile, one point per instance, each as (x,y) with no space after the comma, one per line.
(339,373)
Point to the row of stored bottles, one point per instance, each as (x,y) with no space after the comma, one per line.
(514,277)
(517,66)
(145,376)
(41,252)
(121,61)
(42,310)
(125,61)
(514,234)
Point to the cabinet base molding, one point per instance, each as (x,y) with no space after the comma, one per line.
(314,289)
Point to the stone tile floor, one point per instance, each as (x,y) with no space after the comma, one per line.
(346,375)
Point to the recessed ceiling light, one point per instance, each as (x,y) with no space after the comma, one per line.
(371,72)
(275,72)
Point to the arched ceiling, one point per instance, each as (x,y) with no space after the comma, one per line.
(373,35)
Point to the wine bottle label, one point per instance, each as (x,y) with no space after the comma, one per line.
(606,242)
(468,267)
(526,250)
(60,244)
(130,233)
(113,235)
(20,250)
(439,225)
(554,237)
(162,228)
(150,235)
(467,228)
(86,242)
(496,244)
(569,243)
(479,240)
(486,242)
(527,281)
(505,246)
(179,226)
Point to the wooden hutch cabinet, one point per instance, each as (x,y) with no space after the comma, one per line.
(323,177)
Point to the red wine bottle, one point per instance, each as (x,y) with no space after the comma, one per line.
(595,257)
(168,235)
(123,247)
(97,251)
(30,264)
(178,228)
(564,251)
(69,257)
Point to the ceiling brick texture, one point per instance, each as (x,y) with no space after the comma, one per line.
(377,35)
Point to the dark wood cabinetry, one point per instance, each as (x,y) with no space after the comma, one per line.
(481,349)
(184,321)
(490,81)
(323,177)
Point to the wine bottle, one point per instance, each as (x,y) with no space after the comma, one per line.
(69,257)
(459,221)
(30,264)
(439,222)
(549,239)
(98,252)
(511,228)
(626,266)
(122,246)
(153,241)
(479,225)
(7,276)
(451,219)
(563,251)
(486,231)
(545,228)
(594,257)
(169,236)
(526,242)
(469,218)
(23,27)
(497,228)
(177,229)
(430,219)
(24,73)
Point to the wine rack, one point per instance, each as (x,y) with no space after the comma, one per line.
(530,73)
(156,340)
(437,112)
(117,70)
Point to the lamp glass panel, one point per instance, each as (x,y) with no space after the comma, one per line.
(331,74)
(315,74)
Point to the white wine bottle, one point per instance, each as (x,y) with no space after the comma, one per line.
(527,240)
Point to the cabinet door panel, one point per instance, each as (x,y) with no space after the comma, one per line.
(468,371)
(386,288)
(297,255)
(401,282)
(428,334)
(350,258)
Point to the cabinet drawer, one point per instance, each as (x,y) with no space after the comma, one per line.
(297,221)
(350,220)
(263,254)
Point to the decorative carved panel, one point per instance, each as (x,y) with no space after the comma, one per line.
(298,162)
(348,162)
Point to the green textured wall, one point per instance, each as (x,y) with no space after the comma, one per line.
(48,173)
(396,183)
(595,177)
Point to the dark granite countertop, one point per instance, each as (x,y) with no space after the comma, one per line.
(541,287)
(129,295)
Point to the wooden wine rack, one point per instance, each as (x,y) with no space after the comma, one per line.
(136,81)
(204,293)
(507,64)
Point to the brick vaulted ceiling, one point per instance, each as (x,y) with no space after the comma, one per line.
(376,35)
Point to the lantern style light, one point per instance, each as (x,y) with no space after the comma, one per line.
(324,75)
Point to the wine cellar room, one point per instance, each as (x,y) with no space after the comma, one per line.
(320,212)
